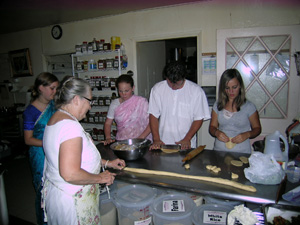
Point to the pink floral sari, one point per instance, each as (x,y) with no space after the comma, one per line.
(132,118)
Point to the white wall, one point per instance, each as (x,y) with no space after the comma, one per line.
(203,18)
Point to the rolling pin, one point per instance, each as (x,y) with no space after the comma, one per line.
(193,153)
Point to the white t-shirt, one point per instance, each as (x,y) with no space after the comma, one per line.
(177,109)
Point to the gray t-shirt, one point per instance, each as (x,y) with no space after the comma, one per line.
(233,124)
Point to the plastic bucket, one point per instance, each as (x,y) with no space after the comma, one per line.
(211,214)
(133,204)
(108,210)
(172,209)
(211,200)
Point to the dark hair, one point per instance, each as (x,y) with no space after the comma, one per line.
(228,75)
(124,78)
(44,79)
(68,89)
(175,71)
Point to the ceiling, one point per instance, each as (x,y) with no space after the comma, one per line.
(18,15)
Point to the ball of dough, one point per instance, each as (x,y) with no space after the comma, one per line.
(236,163)
(187,166)
(244,159)
(229,144)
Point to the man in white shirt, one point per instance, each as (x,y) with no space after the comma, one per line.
(177,108)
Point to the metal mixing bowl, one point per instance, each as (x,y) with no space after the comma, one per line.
(131,149)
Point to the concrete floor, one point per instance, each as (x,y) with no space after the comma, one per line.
(19,190)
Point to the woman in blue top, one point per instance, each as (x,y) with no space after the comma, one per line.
(234,119)
(35,117)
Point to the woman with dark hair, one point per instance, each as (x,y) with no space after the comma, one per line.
(72,164)
(35,118)
(129,111)
(234,119)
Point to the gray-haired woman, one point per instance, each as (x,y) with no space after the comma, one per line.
(72,165)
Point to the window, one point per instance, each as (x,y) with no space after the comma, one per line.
(264,63)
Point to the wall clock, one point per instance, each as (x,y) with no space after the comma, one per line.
(56,32)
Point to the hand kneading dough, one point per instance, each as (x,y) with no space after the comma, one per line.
(201,178)
(229,144)
(236,163)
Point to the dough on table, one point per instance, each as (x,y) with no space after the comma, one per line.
(201,178)
(213,168)
(244,159)
(169,150)
(236,163)
(234,176)
(229,144)
(187,166)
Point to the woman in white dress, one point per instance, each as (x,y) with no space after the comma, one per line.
(72,164)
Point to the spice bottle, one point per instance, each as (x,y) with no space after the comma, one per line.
(84,47)
(100,45)
(116,62)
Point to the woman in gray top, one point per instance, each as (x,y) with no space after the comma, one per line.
(234,119)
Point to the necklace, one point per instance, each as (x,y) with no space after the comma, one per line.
(69,114)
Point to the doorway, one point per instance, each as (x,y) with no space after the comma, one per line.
(152,56)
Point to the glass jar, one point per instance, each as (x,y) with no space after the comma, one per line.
(96,117)
(85,65)
(101,45)
(78,48)
(106,46)
(116,62)
(100,101)
(91,117)
(101,64)
(79,65)
(107,101)
(84,47)
(90,48)
(109,63)
(113,86)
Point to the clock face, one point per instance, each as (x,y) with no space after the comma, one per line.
(56,32)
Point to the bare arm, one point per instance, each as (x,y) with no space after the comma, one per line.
(213,128)
(107,131)
(154,125)
(70,165)
(186,141)
(146,132)
(30,140)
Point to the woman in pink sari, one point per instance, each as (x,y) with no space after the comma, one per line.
(130,113)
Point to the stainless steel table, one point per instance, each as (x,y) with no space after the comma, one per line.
(157,160)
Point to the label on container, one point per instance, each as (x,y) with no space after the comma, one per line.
(143,222)
(173,206)
(214,217)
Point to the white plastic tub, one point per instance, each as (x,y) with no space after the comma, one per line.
(172,209)
(133,204)
(211,214)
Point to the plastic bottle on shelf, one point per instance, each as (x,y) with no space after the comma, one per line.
(94,44)
(92,65)
(124,61)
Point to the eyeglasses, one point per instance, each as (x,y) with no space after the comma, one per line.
(90,100)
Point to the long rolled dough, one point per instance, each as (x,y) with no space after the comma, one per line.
(202,178)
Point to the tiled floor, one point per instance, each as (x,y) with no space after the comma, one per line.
(19,190)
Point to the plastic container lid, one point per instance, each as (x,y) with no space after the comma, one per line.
(211,200)
(133,196)
(221,210)
(158,206)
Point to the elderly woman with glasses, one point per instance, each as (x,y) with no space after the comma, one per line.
(72,161)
